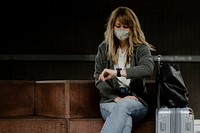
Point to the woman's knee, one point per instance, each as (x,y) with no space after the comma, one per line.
(126,104)
(129,105)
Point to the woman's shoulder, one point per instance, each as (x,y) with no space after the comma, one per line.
(146,46)
(142,47)
(103,45)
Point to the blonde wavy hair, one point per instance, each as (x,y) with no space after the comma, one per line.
(137,37)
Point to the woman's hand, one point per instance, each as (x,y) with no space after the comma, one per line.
(131,97)
(117,99)
(107,74)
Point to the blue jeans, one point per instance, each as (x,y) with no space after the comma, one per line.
(119,117)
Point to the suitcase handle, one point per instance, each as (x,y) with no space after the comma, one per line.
(158,85)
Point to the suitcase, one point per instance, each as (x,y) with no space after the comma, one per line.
(165,120)
(173,120)
(184,120)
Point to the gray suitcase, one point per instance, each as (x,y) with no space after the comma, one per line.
(165,120)
(184,120)
(174,120)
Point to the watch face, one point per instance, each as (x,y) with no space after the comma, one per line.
(118,72)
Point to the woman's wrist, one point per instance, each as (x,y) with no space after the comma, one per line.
(123,73)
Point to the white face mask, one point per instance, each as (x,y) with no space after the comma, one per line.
(121,34)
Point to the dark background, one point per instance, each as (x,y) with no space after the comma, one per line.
(77,27)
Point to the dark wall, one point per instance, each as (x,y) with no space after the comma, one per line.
(77,27)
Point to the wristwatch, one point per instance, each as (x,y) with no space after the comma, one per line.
(118,72)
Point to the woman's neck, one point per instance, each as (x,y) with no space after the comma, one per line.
(123,46)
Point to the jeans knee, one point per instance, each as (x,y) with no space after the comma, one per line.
(126,104)
(130,105)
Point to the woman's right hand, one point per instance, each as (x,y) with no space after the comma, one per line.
(107,74)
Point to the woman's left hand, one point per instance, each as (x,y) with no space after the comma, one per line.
(107,74)
(131,97)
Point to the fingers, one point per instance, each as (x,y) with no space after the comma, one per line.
(117,99)
(101,77)
(105,75)
(132,97)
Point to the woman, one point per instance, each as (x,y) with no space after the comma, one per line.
(122,63)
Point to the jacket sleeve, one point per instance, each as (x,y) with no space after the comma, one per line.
(145,64)
(104,87)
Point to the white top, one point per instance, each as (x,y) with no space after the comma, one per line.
(121,64)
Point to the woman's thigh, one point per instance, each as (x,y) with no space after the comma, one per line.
(133,107)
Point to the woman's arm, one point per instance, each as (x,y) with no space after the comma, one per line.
(100,65)
(145,66)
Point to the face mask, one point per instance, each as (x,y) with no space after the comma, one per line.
(121,34)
